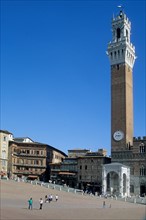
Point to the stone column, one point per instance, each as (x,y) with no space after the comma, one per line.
(121,183)
(104,184)
(128,182)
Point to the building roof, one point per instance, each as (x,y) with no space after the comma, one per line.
(22,139)
(5,131)
(53,148)
(116,164)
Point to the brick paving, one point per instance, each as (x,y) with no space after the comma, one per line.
(14,205)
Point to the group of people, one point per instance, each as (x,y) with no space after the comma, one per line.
(47,199)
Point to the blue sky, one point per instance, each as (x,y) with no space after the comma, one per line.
(55,74)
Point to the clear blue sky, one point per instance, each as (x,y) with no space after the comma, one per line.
(55,74)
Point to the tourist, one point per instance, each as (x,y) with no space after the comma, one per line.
(41,203)
(103,204)
(30,202)
(46,198)
(49,198)
(56,198)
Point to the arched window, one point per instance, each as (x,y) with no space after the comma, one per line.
(142,148)
(118,33)
(127,35)
(115,54)
(111,55)
(142,171)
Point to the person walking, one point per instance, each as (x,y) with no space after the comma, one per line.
(103,204)
(56,197)
(46,198)
(30,202)
(41,203)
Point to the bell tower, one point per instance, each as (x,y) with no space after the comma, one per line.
(121,53)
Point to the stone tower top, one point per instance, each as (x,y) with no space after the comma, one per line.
(120,49)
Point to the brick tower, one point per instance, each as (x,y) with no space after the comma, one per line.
(122,56)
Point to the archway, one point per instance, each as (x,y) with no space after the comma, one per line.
(116,179)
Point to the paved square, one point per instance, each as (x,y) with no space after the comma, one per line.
(14,205)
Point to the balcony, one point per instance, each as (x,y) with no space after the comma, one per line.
(29,155)
(27,172)
(29,165)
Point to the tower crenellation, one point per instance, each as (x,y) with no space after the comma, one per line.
(120,49)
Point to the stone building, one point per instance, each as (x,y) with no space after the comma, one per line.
(65,173)
(54,159)
(77,152)
(90,170)
(5,137)
(125,150)
(135,158)
(27,159)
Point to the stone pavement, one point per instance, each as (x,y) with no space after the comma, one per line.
(14,205)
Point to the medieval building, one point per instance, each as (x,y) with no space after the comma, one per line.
(127,173)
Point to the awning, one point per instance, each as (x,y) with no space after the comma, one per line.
(67,173)
(32,177)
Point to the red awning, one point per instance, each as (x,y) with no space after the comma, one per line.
(67,173)
(34,177)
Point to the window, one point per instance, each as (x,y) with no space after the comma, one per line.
(41,152)
(36,162)
(142,171)
(115,54)
(4,163)
(111,55)
(80,167)
(142,148)
(85,167)
(118,33)
(4,138)
(3,154)
(131,189)
(127,35)
(21,161)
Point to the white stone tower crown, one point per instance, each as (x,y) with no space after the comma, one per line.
(120,49)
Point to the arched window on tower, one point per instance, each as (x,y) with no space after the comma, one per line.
(118,33)
(111,55)
(115,54)
(127,35)
(142,148)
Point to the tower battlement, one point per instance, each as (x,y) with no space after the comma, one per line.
(139,138)
(121,16)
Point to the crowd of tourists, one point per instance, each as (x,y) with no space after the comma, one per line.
(48,198)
